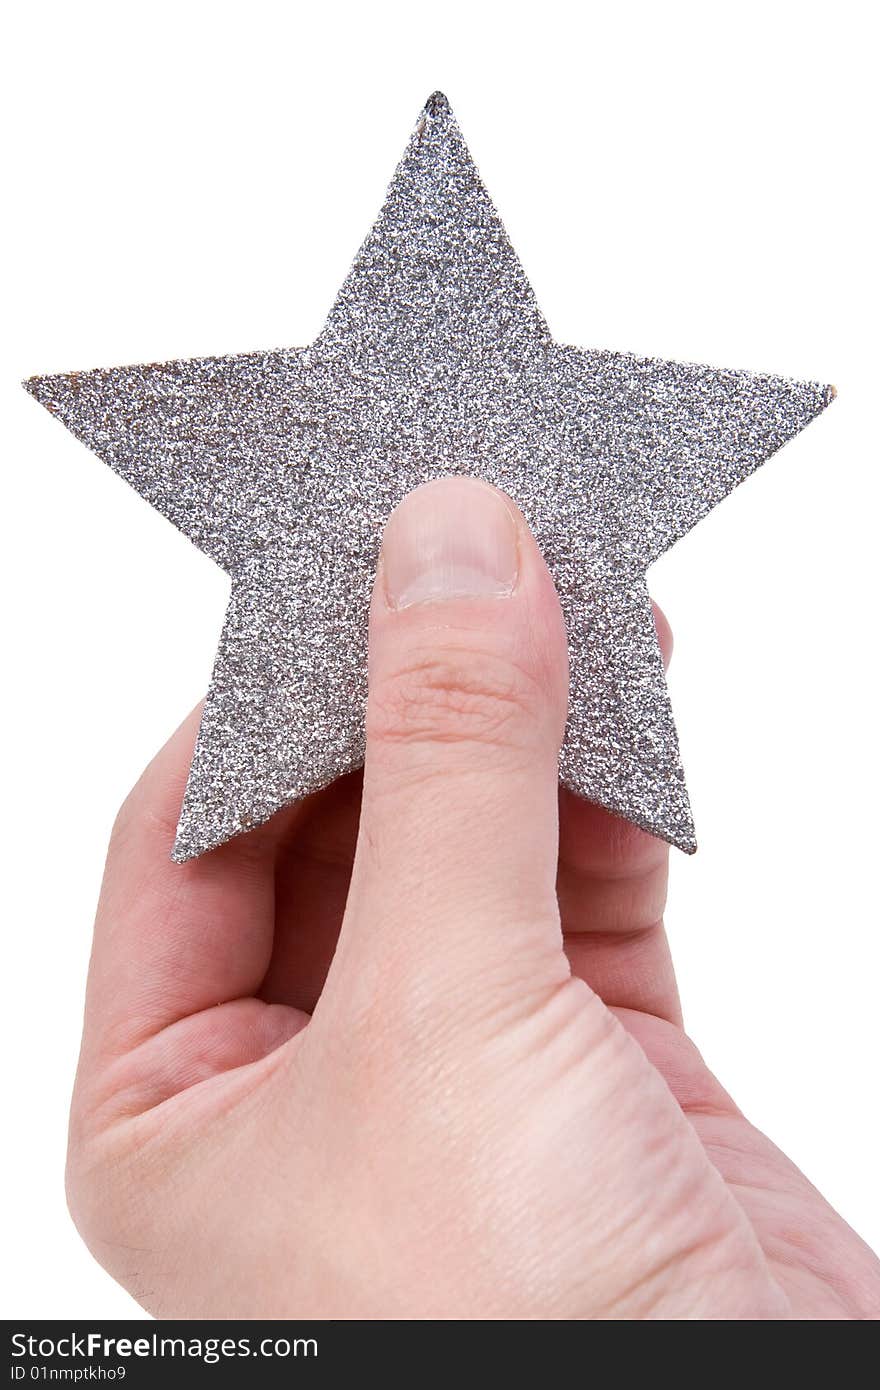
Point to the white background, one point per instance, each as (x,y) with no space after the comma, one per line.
(685,181)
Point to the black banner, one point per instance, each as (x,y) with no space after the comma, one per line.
(130,1353)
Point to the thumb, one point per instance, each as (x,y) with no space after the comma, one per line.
(455,871)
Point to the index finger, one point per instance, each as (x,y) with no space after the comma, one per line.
(172,939)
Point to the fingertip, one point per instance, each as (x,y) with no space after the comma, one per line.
(664,633)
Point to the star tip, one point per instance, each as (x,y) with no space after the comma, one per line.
(685,837)
(46,390)
(182,850)
(437,105)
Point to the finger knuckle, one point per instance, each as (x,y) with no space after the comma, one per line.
(451,698)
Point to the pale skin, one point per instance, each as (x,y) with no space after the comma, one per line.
(414,1048)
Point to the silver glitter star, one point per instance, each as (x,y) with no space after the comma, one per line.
(283,467)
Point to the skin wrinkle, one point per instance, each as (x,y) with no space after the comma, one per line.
(442,712)
(127,1099)
(616,905)
(462,671)
(641,978)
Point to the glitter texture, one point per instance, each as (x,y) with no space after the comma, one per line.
(284,466)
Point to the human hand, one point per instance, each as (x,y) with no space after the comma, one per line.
(422,1057)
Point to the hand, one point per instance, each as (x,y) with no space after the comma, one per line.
(413,1049)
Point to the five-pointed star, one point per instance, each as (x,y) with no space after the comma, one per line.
(283,467)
